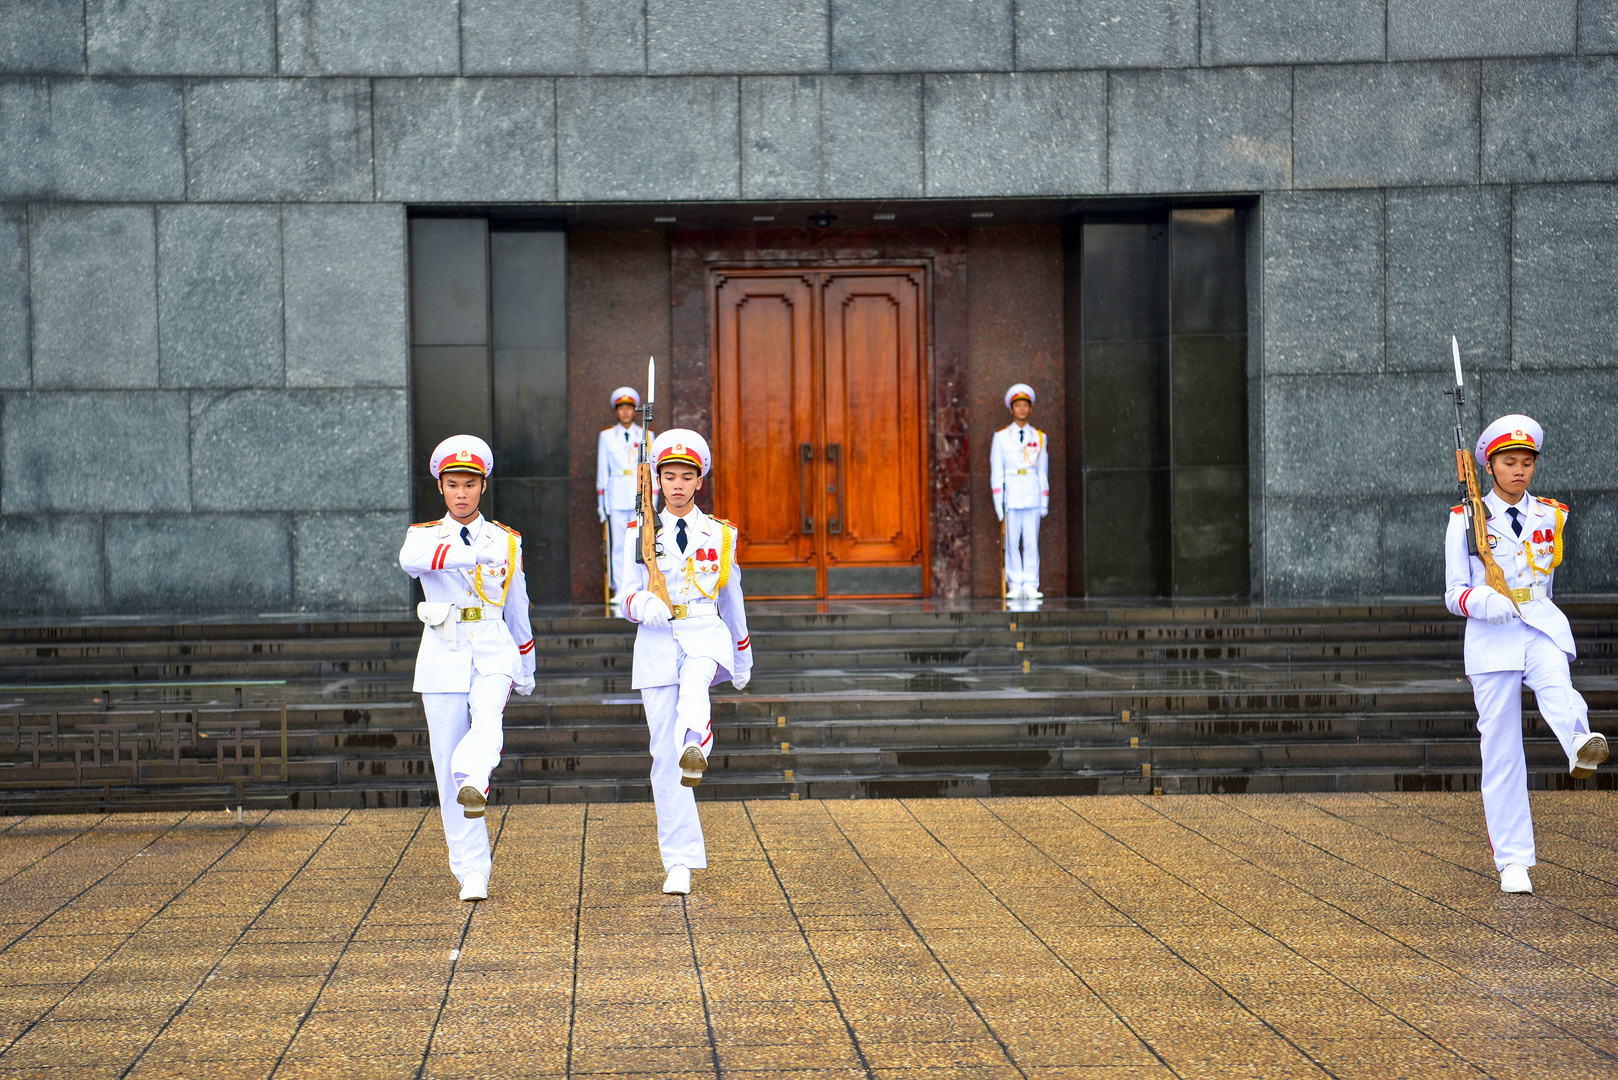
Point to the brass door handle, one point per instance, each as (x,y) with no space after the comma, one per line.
(834,457)
(806,461)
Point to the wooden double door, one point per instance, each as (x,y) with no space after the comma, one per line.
(821,424)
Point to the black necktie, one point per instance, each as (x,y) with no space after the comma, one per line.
(1019,435)
(679,534)
(466,536)
(1516,519)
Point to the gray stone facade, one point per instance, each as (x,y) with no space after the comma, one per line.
(203,324)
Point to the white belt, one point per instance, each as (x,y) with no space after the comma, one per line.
(442,617)
(701,607)
(1536,591)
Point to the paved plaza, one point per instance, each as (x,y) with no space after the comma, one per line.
(1196,936)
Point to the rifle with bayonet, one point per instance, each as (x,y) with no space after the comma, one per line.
(645,508)
(1466,470)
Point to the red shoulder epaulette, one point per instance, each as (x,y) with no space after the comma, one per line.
(424,524)
(1461,509)
(1552,502)
(508,529)
(722,521)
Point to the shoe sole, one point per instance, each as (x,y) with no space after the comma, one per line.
(472,803)
(691,775)
(1517,892)
(1591,754)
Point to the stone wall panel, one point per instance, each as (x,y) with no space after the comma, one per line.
(872,140)
(1225,130)
(696,37)
(349,562)
(253,449)
(1565,276)
(1413,528)
(91,139)
(39,37)
(1323,282)
(181,37)
(1433,29)
(94,290)
(903,36)
(1375,125)
(1550,120)
(652,139)
(87,452)
(553,37)
(1590,552)
(466,140)
(369,37)
(345,295)
(1358,435)
(1449,273)
(1576,409)
(219,295)
(1097,34)
(781,151)
(1598,26)
(199,563)
(51,566)
(1291,31)
(15,367)
(1033,133)
(264,139)
(1322,548)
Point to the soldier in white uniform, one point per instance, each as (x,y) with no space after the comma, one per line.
(679,654)
(1019,464)
(1509,645)
(476,647)
(617,452)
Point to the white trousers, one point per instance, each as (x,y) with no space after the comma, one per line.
(1498,695)
(466,736)
(617,533)
(671,711)
(1022,562)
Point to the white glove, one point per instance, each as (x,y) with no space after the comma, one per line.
(1495,609)
(491,549)
(601,513)
(653,612)
(999,512)
(524,688)
(1043,510)
(741,679)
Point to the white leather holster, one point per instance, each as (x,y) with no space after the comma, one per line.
(444,618)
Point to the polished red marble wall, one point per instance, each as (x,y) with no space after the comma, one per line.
(1015,334)
(617,316)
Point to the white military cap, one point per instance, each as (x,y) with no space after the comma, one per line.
(623,394)
(1513,431)
(681,444)
(1019,390)
(463,453)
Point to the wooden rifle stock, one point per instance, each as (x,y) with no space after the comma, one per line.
(646,512)
(1477,517)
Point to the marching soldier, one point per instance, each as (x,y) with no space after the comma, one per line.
(1510,641)
(476,647)
(680,653)
(617,451)
(1019,460)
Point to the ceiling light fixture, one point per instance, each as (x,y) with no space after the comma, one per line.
(983,213)
(881,217)
(822,218)
(665,220)
(763,217)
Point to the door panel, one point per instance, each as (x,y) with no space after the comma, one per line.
(763,340)
(819,416)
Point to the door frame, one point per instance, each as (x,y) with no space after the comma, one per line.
(942,251)
(716,273)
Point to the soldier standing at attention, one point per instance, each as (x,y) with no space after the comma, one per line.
(475,649)
(617,451)
(680,653)
(1523,638)
(1019,460)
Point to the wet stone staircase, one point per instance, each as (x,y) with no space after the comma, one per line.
(864,701)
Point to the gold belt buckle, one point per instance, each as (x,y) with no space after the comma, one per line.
(1022,472)
(629,472)
(1522,596)
(679,611)
(471,614)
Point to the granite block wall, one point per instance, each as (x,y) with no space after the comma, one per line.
(202,265)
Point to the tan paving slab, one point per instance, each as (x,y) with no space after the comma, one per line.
(1043,939)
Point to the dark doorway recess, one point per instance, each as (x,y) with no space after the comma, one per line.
(489,358)
(1158,505)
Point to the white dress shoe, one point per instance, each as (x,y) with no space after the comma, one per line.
(1514,878)
(475,887)
(472,801)
(692,763)
(678,883)
(1588,752)
(1031,593)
